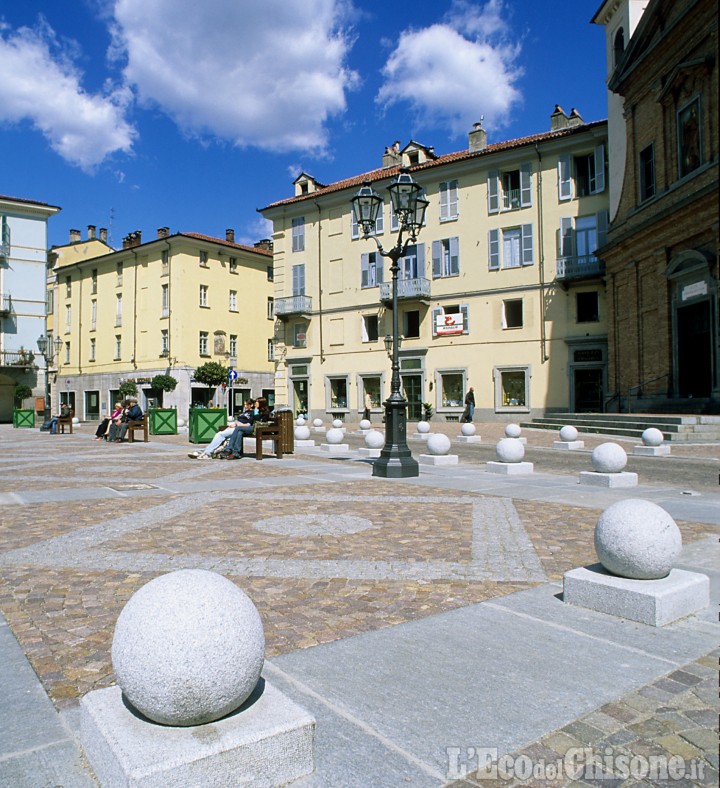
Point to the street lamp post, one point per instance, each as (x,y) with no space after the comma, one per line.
(395,461)
(48,350)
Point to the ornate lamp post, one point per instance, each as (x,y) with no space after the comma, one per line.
(395,459)
(48,350)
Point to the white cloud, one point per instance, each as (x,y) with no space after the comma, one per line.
(42,85)
(267,74)
(453,72)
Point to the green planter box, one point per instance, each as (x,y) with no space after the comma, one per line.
(205,422)
(162,421)
(23,418)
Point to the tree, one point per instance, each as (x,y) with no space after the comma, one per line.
(21,392)
(211,374)
(163,383)
(128,389)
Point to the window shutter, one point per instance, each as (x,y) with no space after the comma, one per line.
(602,227)
(454,256)
(567,237)
(379,268)
(564,185)
(444,200)
(394,224)
(466,320)
(364,269)
(298,280)
(493,250)
(493,201)
(421,260)
(436,259)
(599,170)
(526,184)
(354,229)
(437,312)
(526,232)
(380,221)
(453,198)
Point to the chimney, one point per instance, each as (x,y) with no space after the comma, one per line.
(136,237)
(230,235)
(74,236)
(266,244)
(574,118)
(91,232)
(163,232)
(103,234)
(392,157)
(477,138)
(558,119)
(126,242)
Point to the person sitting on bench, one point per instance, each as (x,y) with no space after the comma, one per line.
(261,412)
(104,427)
(64,413)
(118,429)
(244,418)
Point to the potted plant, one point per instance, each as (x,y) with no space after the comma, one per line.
(22,417)
(427,411)
(163,421)
(204,423)
(128,388)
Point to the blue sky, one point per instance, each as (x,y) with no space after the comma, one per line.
(139,114)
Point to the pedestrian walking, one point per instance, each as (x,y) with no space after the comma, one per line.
(469,411)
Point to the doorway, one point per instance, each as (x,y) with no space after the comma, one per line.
(588,389)
(694,350)
(412,389)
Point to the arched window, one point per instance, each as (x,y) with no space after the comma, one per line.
(618,46)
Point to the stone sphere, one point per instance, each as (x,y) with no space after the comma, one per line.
(423,427)
(188,648)
(302,433)
(75,420)
(609,458)
(652,437)
(180,422)
(337,424)
(374,439)
(438,444)
(637,539)
(334,435)
(568,433)
(513,431)
(510,450)
(365,424)
(467,429)
(317,423)
(300,421)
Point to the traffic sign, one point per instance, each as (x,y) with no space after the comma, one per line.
(232,375)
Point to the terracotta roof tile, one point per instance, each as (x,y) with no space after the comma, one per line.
(225,242)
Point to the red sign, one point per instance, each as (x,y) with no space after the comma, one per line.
(449,324)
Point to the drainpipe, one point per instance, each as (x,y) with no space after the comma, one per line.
(320,290)
(169,315)
(135,311)
(541,262)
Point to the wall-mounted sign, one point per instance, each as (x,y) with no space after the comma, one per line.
(693,290)
(449,324)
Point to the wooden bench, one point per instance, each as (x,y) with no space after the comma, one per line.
(66,421)
(271,432)
(140,424)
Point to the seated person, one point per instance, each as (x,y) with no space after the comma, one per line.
(244,418)
(261,412)
(118,429)
(102,430)
(64,411)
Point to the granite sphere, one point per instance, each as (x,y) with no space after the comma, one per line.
(510,450)
(365,424)
(423,427)
(299,421)
(513,431)
(637,539)
(652,437)
(568,433)
(180,421)
(609,458)
(317,423)
(188,648)
(467,429)
(374,439)
(75,420)
(334,435)
(438,444)
(302,433)
(337,424)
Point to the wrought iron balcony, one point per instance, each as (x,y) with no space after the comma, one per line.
(17,358)
(293,305)
(579,267)
(5,305)
(511,199)
(419,289)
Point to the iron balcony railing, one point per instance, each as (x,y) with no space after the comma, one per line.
(511,199)
(293,305)
(407,288)
(579,267)
(5,305)
(17,358)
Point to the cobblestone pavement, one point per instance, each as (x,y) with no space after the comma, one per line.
(324,550)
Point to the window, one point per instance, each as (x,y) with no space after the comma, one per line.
(517,247)
(93,281)
(165,300)
(119,274)
(203,259)
(232,345)
(689,138)
(203,344)
(118,309)
(412,265)
(298,234)
(93,315)
(512,313)
(446,257)
(510,189)
(118,347)
(371,392)
(370,328)
(587,306)
(299,335)
(68,318)
(451,389)
(450,320)
(165,260)
(580,241)
(203,295)
(50,302)
(270,274)
(270,350)
(338,393)
(298,280)
(232,306)
(164,342)
(379,223)
(589,172)
(647,173)
(92,349)
(371,269)
(618,45)
(512,390)
(67,352)
(411,323)
(68,287)
(232,265)
(448,192)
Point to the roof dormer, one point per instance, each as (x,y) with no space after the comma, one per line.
(415,153)
(306,184)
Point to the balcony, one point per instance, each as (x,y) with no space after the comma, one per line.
(511,199)
(418,289)
(583,267)
(17,358)
(5,305)
(294,305)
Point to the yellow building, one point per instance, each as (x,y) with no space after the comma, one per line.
(166,306)
(502,291)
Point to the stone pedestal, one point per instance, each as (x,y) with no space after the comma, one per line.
(323,430)
(652,451)
(420,436)
(335,448)
(299,444)
(569,445)
(468,439)
(365,452)
(268,742)
(652,602)
(438,459)
(597,479)
(510,468)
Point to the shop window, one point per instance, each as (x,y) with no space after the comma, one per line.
(371,392)
(512,388)
(451,389)
(338,394)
